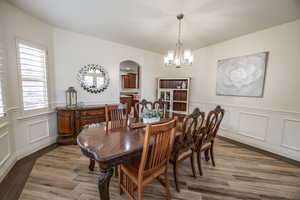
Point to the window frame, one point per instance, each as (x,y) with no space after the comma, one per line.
(20,86)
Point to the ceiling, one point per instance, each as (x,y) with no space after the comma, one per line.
(152,24)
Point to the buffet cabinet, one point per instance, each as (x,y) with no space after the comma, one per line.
(70,121)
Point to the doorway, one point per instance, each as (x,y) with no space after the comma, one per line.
(129,84)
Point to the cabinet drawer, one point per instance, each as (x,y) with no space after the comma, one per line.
(91,121)
(92,112)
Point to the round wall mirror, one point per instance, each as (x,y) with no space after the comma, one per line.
(93,78)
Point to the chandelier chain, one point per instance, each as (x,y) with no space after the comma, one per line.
(179,32)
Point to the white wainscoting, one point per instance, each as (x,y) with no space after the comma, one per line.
(4,147)
(291,134)
(7,156)
(34,132)
(38,130)
(253,125)
(276,131)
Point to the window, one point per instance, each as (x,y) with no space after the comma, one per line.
(1,81)
(33,70)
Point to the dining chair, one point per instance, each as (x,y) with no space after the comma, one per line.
(184,144)
(158,142)
(205,137)
(160,105)
(116,116)
(139,107)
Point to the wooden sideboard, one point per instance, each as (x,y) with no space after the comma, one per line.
(70,121)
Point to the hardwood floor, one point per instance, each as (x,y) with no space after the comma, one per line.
(12,185)
(240,173)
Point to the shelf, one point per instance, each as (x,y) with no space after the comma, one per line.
(179,112)
(171,89)
(175,101)
(179,97)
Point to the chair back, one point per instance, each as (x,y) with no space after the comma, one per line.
(160,105)
(190,126)
(140,106)
(116,116)
(157,147)
(212,124)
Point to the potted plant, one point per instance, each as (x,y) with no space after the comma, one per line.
(151,116)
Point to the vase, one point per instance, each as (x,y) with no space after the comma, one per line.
(151,120)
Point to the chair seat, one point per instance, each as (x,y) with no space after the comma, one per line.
(185,154)
(205,146)
(132,170)
(182,155)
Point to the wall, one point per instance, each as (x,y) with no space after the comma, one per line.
(27,132)
(7,157)
(72,50)
(272,122)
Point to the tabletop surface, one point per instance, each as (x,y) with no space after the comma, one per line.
(105,146)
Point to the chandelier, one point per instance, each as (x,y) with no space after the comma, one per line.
(179,57)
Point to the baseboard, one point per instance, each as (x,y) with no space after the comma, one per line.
(7,166)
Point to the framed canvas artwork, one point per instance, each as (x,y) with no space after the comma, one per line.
(242,76)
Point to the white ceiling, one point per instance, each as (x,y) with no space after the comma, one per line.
(152,24)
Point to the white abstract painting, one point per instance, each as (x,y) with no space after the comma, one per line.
(242,76)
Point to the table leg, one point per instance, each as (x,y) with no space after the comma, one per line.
(92,165)
(103,182)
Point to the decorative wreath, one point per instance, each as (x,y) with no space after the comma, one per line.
(84,70)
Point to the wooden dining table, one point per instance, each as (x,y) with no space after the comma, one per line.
(110,148)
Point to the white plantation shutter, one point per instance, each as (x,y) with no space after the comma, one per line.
(1,81)
(33,69)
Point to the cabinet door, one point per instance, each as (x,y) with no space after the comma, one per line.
(132,80)
(65,120)
(126,83)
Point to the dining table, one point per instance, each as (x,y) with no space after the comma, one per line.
(110,148)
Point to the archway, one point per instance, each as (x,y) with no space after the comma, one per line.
(130,83)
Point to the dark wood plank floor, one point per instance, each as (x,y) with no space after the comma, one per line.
(240,174)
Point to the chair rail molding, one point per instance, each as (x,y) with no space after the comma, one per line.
(246,107)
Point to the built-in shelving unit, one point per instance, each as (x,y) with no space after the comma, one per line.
(175,92)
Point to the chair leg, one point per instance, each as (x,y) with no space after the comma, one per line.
(175,172)
(120,181)
(193,164)
(140,192)
(211,150)
(207,155)
(167,185)
(116,171)
(92,165)
(199,162)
